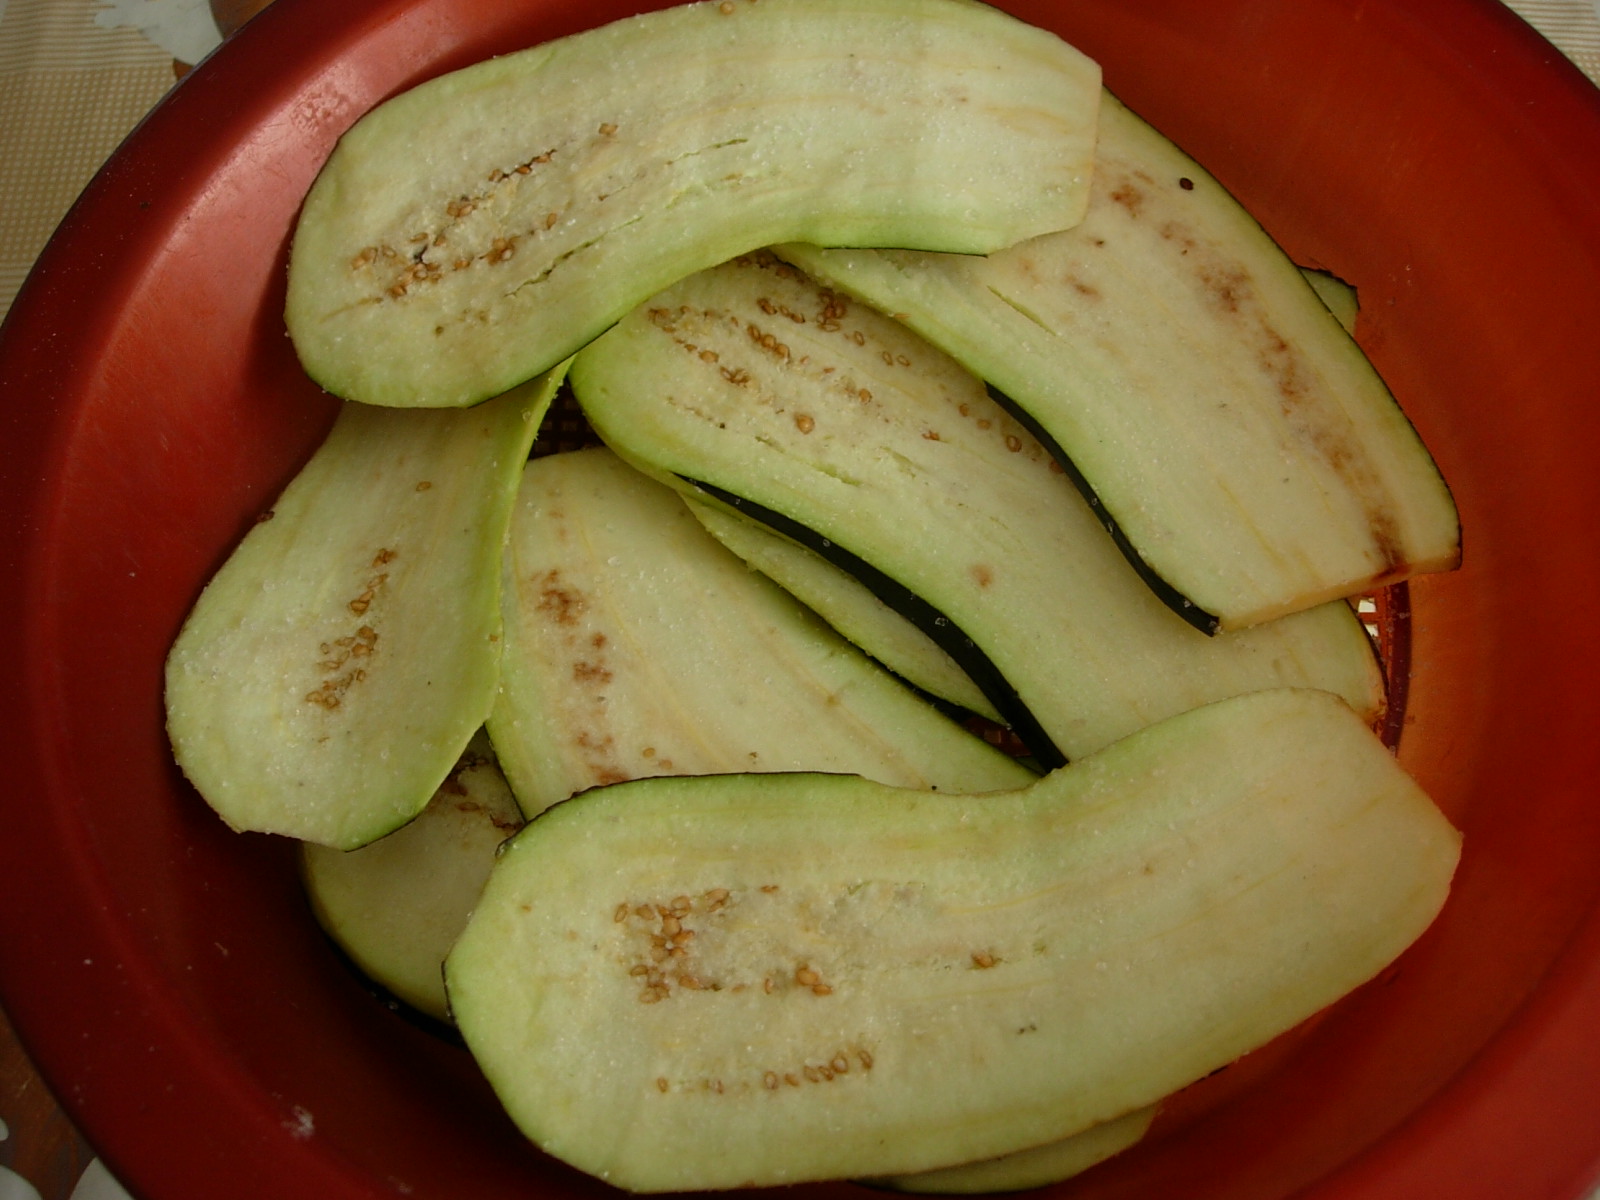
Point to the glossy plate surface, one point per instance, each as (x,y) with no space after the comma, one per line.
(166,973)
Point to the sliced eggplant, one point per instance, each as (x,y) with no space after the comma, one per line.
(397,905)
(334,668)
(1220,420)
(754,386)
(481,227)
(637,645)
(878,981)
(1337,295)
(1035,1167)
(841,600)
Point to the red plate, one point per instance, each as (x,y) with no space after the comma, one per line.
(165,972)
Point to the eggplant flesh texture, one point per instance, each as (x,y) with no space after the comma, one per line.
(637,645)
(397,905)
(884,454)
(879,981)
(335,667)
(1212,408)
(840,599)
(915,610)
(1035,1167)
(1337,296)
(481,227)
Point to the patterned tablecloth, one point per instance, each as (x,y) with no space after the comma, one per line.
(75,76)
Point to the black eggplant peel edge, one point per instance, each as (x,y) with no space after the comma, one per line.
(1207,623)
(949,637)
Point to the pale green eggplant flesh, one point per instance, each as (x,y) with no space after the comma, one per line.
(1339,297)
(397,905)
(334,668)
(846,604)
(481,227)
(823,977)
(1220,419)
(752,385)
(1035,1167)
(637,645)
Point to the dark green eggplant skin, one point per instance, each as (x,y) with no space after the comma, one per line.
(944,632)
(637,644)
(846,432)
(1192,382)
(1207,623)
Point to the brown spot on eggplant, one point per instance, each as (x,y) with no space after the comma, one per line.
(767,342)
(1331,443)
(562,604)
(1228,290)
(1173,231)
(1129,197)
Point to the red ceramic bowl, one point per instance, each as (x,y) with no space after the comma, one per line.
(165,973)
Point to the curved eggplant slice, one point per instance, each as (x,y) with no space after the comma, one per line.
(881,453)
(877,981)
(917,612)
(397,905)
(334,668)
(1207,402)
(483,226)
(637,645)
(1035,1167)
(841,600)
